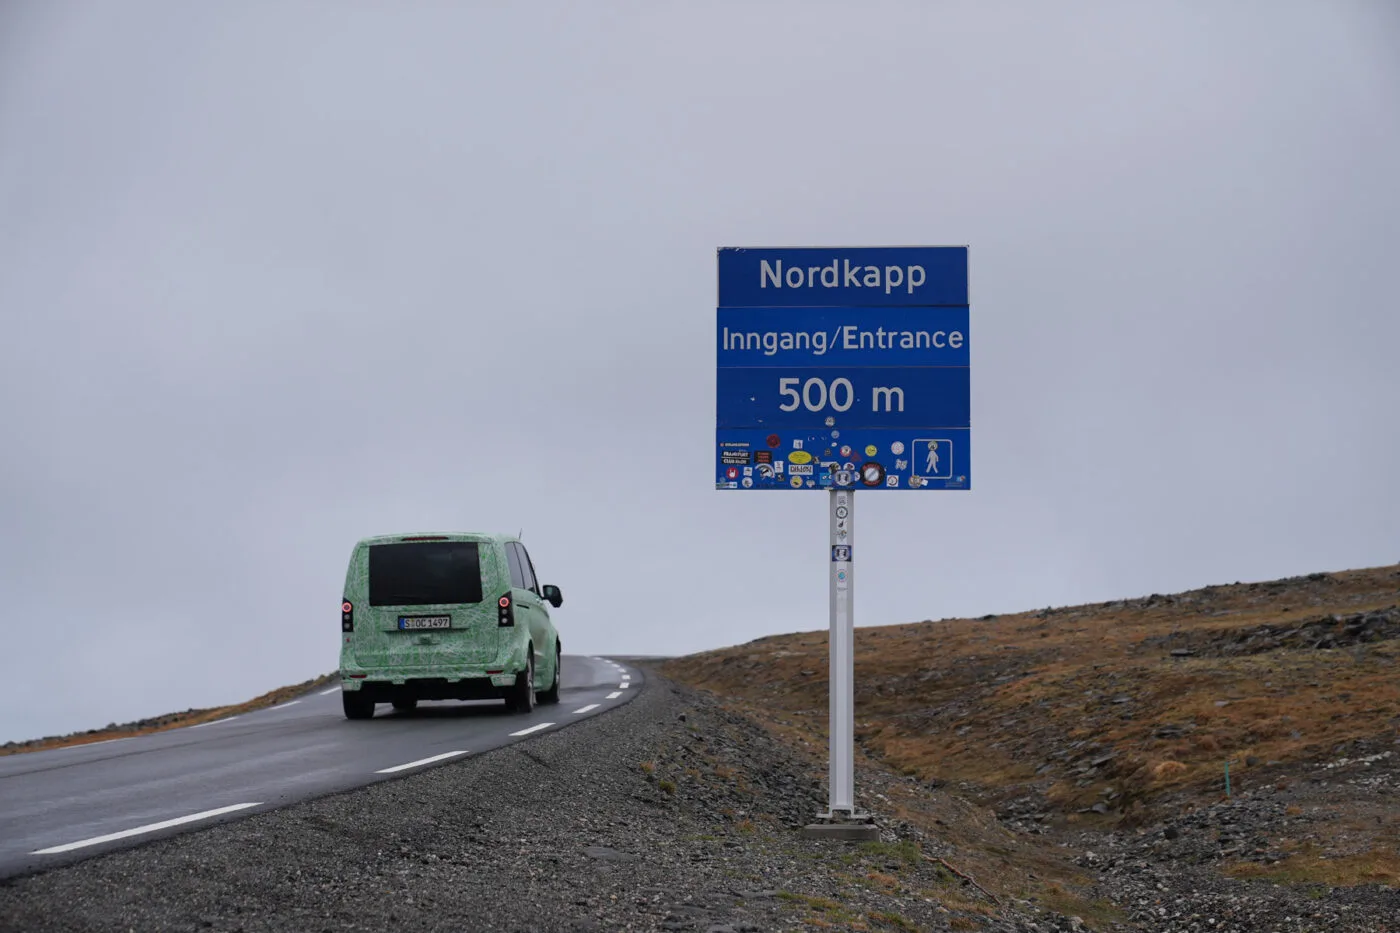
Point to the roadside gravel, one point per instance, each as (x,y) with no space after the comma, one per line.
(1169,876)
(667,814)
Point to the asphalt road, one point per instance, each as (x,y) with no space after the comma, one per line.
(68,804)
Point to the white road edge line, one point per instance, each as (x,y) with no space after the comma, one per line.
(283,705)
(543,725)
(326,693)
(586,708)
(420,762)
(148,828)
(614,695)
(62,748)
(214,722)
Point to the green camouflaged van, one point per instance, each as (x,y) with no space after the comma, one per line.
(446,617)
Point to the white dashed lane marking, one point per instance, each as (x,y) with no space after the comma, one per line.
(148,828)
(543,725)
(86,744)
(215,722)
(220,811)
(419,763)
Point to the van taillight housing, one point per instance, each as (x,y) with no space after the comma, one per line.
(347,616)
(505,611)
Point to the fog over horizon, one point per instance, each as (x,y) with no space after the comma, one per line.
(276,277)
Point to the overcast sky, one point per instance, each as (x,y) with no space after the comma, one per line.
(275,276)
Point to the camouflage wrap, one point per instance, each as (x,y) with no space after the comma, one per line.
(473,645)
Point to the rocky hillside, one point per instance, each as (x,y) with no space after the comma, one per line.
(1113,724)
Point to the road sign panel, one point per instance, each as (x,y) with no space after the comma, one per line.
(856,459)
(842,336)
(843,368)
(852,276)
(852,397)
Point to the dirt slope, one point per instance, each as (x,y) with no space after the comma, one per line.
(1119,716)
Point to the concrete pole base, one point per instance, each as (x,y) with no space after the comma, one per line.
(843,826)
(842,832)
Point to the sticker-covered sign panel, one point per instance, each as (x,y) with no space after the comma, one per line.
(747,458)
(844,368)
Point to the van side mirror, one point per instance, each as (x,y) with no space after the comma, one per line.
(553,596)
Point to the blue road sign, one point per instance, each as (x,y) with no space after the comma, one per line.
(845,368)
(810,277)
(842,337)
(863,458)
(794,397)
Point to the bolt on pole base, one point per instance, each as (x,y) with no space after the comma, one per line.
(846,816)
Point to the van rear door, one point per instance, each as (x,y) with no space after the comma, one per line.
(426,612)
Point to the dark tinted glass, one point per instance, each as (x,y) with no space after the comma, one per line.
(422,573)
(527,570)
(517,576)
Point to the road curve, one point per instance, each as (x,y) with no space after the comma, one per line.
(64,805)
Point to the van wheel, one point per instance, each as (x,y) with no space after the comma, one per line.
(406,706)
(357,706)
(522,694)
(552,694)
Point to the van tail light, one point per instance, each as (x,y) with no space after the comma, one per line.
(347,616)
(505,611)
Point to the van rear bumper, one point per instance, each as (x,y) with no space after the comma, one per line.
(427,688)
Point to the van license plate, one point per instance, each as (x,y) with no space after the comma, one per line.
(417,622)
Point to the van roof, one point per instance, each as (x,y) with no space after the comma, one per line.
(436,535)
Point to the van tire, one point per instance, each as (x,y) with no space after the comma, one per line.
(356,706)
(406,706)
(522,694)
(552,694)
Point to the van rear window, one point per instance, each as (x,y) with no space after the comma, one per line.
(424,573)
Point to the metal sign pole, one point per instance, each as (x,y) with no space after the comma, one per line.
(890,411)
(841,644)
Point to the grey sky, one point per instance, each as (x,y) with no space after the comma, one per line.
(275,276)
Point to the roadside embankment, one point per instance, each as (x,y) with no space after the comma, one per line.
(670,813)
(189,717)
